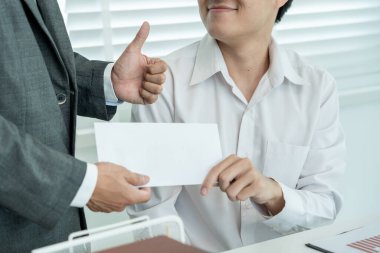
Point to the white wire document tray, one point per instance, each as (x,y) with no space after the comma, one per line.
(135,235)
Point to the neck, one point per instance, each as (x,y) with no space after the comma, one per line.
(247,61)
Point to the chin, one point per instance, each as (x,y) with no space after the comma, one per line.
(218,33)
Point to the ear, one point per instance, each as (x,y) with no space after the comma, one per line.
(281,3)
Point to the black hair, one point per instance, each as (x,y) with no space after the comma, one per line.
(283,10)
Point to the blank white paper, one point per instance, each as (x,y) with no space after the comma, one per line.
(169,153)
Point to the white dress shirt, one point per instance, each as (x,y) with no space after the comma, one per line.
(290,130)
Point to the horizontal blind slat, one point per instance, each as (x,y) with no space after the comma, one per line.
(341,36)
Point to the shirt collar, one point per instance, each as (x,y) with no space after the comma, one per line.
(281,67)
(209,61)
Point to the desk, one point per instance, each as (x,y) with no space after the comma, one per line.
(295,243)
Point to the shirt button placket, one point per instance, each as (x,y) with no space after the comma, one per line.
(248,218)
(243,150)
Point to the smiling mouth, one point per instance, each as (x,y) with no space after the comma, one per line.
(221,9)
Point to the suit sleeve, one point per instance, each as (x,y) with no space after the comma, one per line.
(37,182)
(90,82)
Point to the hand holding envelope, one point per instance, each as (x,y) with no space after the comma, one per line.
(118,189)
(170,154)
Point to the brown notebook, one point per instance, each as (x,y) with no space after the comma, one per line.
(159,244)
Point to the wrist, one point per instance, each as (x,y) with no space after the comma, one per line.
(277,202)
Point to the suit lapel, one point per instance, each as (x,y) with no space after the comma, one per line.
(49,18)
(54,22)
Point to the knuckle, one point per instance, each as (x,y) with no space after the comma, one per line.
(159,89)
(146,85)
(153,99)
(251,173)
(156,89)
(222,178)
(225,186)
(126,200)
(134,178)
(241,197)
(149,96)
(145,198)
(230,194)
(162,78)
(259,184)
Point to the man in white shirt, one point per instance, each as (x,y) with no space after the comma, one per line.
(278,119)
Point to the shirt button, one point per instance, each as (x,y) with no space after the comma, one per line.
(61,98)
(247,204)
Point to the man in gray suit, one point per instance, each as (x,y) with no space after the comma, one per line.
(44,85)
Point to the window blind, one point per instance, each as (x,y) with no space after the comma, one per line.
(341,36)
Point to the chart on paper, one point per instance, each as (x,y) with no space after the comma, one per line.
(370,245)
(361,240)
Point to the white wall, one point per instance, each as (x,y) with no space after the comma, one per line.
(361,185)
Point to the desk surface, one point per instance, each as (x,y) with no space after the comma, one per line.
(295,243)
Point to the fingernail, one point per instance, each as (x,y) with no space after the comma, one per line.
(204,191)
(144,178)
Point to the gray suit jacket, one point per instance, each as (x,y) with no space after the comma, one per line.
(44,85)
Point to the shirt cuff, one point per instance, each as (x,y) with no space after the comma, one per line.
(87,187)
(109,92)
(292,214)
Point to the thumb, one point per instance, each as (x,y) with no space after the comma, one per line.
(140,38)
(135,179)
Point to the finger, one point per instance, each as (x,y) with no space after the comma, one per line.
(158,67)
(152,60)
(226,177)
(137,195)
(135,178)
(239,185)
(110,207)
(155,79)
(148,97)
(140,38)
(92,207)
(247,192)
(99,208)
(147,190)
(213,174)
(152,88)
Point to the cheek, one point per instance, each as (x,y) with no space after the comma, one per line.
(203,12)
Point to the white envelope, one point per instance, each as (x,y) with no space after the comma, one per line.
(170,154)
